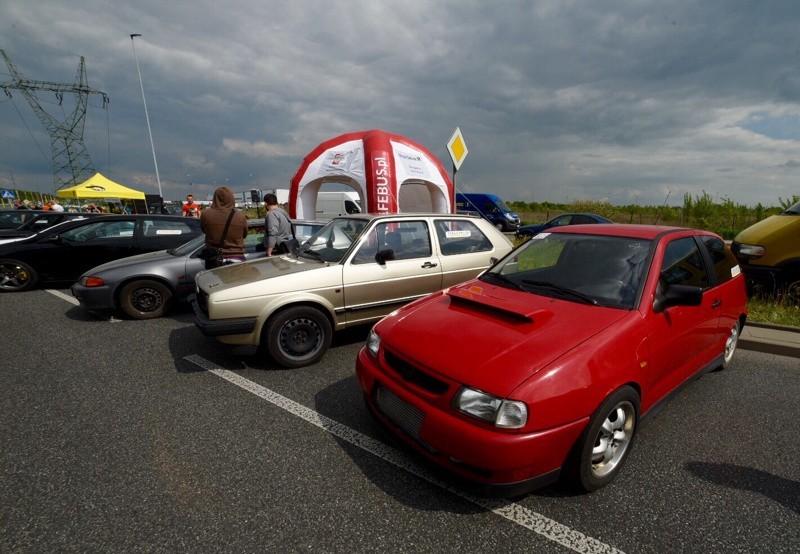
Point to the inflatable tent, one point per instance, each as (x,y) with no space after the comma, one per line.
(98,186)
(390,173)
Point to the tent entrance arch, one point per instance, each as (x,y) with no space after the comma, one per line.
(320,199)
(389,172)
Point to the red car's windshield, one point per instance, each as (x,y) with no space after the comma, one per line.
(595,269)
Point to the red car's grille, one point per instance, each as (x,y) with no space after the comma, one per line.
(404,415)
(414,375)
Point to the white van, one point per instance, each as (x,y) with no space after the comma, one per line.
(333,204)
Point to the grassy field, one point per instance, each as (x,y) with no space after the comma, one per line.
(722,216)
(767,310)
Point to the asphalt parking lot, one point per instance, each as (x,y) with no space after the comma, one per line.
(145,435)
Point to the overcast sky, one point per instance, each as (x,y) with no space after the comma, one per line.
(631,101)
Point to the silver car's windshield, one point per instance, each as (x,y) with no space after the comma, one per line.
(332,242)
(188,247)
(593,269)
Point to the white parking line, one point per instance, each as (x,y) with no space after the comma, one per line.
(62,296)
(544,526)
(73,300)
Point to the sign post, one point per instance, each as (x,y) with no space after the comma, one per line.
(458,151)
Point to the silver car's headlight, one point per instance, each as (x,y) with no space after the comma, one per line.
(373,343)
(508,414)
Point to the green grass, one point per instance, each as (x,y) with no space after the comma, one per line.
(771,311)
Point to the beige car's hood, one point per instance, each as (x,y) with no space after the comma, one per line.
(245,273)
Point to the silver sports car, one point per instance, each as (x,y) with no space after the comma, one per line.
(146,286)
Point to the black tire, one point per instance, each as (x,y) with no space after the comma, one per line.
(297,337)
(792,292)
(16,276)
(145,299)
(606,442)
(730,346)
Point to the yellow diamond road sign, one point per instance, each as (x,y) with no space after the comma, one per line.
(457,148)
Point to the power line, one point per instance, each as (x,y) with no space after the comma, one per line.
(70,160)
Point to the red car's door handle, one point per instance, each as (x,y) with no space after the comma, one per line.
(427,265)
(716,304)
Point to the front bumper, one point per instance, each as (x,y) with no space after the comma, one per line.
(94,299)
(500,463)
(221,327)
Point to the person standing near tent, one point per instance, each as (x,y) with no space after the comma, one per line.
(55,206)
(279,226)
(190,209)
(214,221)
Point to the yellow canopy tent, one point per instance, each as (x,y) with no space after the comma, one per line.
(99,186)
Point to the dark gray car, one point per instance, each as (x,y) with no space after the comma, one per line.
(146,286)
(59,255)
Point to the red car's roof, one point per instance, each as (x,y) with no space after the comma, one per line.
(647,232)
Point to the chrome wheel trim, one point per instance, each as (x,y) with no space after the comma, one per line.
(730,343)
(613,439)
(13,277)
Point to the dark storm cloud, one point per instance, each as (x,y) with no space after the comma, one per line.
(557,100)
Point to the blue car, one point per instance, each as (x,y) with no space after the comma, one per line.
(560,221)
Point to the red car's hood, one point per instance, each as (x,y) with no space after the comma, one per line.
(491,338)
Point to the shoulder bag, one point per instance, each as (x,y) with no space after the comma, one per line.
(213,255)
(288,246)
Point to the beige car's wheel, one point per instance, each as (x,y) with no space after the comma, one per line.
(299,336)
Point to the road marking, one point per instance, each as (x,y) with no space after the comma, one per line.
(544,526)
(73,300)
(62,296)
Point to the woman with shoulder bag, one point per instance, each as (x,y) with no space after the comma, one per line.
(225,229)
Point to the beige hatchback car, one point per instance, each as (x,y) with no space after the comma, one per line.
(353,271)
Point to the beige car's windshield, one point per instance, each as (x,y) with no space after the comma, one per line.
(332,242)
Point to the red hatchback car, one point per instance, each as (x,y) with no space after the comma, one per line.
(544,365)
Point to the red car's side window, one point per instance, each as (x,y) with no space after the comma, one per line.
(723,259)
(683,264)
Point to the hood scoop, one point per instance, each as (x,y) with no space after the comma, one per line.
(475,296)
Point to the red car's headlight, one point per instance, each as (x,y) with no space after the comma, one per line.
(373,343)
(508,414)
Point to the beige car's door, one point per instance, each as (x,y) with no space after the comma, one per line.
(373,289)
(465,250)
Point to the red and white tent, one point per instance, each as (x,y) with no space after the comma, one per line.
(390,173)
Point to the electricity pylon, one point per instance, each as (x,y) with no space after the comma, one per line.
(71,163)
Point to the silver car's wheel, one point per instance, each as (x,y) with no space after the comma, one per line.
(298,336)
(16,276)
(730,346)
(145,299)
(607,441)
